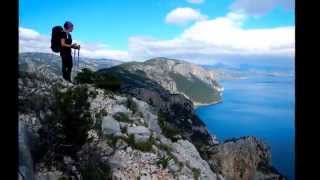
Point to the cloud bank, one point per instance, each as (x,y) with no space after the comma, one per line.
(217,39)
(32,41)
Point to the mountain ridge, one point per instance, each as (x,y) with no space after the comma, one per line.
(179,77)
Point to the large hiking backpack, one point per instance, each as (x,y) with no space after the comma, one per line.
(55,38)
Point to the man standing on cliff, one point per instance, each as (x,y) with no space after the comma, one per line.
(65,51)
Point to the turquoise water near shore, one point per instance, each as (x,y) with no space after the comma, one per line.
(261,106)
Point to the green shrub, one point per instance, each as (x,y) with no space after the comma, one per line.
(145,146)
(196,173)
(164,161)
(132,105)
(86,76)
(168,130)
(142,146)
(65,130)
(131,140)
(111,140)
(103,81)
(122,117)
(108,82)
(95,169)
(165,147)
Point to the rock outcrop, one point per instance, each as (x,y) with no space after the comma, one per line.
(110,126)
(140,133)
(243,158)
(185,152)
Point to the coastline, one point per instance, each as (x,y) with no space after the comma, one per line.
(197,104)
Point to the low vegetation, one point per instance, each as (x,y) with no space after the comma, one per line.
(103,81)
(142,146)
(65,130)
(164,161)
(92,166)
(167,129)
(132,105)
(196,173)
(122,117)
(196,89)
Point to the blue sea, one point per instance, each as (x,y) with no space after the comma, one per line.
(261,106)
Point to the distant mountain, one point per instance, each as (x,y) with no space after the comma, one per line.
(244,70)
(51,62)
(178,77)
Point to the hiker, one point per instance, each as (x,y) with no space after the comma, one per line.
(65,51)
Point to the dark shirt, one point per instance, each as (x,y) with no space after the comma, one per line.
(68,40)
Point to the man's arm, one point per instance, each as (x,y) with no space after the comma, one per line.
(63,44)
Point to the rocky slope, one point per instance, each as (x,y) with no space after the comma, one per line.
(109,137)
(142,131)
(175,109)
(180,77)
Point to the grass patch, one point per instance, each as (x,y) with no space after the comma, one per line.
(142,146)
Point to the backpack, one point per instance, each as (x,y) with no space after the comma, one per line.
(55,38)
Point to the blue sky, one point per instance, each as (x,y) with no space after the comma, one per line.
(115,22)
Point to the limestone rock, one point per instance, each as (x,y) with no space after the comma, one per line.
(243,158)
(110,126)
(140,133)
(186,153)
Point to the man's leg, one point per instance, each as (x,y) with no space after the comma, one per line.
(69,65)
(64,67)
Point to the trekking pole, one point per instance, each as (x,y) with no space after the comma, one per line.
(74,61)
(78,57)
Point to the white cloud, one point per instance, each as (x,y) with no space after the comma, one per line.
(218,38)
(260,7)
(195,1)
(182,16)
(32,41)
